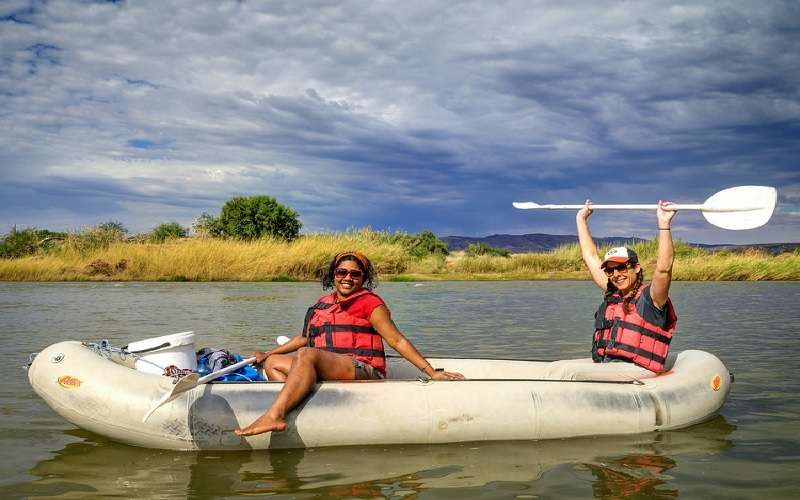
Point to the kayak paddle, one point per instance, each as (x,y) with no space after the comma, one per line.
(737,208)
(189,382)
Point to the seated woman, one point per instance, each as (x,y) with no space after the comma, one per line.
(636,320)
(342,339)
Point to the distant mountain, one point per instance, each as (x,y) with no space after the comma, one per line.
(538,242)
(772,248)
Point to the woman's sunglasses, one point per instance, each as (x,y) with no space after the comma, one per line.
(341,272)
(624,267)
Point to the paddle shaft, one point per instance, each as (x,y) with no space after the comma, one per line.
(225,371)
(704,208)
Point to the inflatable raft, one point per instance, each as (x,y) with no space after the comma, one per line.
(99,390)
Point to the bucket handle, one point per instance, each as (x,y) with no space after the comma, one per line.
(165,344)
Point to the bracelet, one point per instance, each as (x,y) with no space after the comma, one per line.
(665,229)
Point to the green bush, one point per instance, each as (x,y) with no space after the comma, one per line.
(418,245)
(94,238)
(166,231)
(480,248)
(113,226)
(426,243)
(256,217)
(26,242)
(206,225)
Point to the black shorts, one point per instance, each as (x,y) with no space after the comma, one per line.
(365,371)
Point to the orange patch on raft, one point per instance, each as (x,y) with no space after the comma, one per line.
(716,382)
(69,382)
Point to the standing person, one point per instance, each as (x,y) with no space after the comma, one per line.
(636,320)
(342,339)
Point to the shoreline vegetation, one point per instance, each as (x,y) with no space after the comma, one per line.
(303,258)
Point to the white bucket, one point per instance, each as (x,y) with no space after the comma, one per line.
(176,349)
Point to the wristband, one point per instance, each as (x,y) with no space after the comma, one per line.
(665,229)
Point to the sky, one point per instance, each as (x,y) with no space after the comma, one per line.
(399,116)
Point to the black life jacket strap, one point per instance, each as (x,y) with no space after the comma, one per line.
(309,313)
(370,353)
(646,332)
(601,344)
(329,328)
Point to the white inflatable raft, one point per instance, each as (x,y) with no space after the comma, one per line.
(101,392)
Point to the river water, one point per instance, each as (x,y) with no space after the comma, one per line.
(750,451)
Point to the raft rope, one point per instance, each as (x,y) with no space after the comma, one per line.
(106,350)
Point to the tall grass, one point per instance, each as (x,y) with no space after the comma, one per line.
(204,259)
(207,259)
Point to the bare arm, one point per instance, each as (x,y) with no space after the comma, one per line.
(291,346)
(662,276)
(588,248)
(381,320)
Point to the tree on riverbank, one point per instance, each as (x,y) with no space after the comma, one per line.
(253,217)
(20,243)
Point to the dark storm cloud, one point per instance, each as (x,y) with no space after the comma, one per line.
(435,116)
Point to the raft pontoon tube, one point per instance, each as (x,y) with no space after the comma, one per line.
(99,390)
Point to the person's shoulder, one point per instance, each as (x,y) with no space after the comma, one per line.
(646,305)
(328,298)
(644,295)
(368,302)
(372,298)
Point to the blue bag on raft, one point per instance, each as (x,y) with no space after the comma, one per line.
(210,360)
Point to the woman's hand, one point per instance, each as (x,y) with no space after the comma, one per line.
(260,356)
(665,213)
(585,212)
(447,376)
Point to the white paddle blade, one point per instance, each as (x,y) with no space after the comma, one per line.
(758,204)
(172,391)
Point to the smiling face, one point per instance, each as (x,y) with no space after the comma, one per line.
(349,282)
(622,276)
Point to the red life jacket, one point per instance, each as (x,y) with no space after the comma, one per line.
(627,335)
(331,327)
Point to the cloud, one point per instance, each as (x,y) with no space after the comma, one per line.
(434,116)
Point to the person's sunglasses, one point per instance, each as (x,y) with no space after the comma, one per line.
(621,268)
(341,272)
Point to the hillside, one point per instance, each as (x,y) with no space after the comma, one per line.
(539,242)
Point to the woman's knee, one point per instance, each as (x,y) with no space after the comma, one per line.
(307,355)
(274,361)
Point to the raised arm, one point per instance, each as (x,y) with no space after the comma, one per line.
(588,248)
(662,276)
(381,320)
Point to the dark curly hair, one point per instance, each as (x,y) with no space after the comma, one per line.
(611,290)
(370,279)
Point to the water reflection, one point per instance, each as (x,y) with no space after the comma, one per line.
(635,475)
(617,467)
(632,475)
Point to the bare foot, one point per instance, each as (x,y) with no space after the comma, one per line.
(262,424)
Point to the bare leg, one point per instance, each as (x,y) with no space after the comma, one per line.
(309,365)
(277,366)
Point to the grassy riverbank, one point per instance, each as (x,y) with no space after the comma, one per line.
(207,259)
